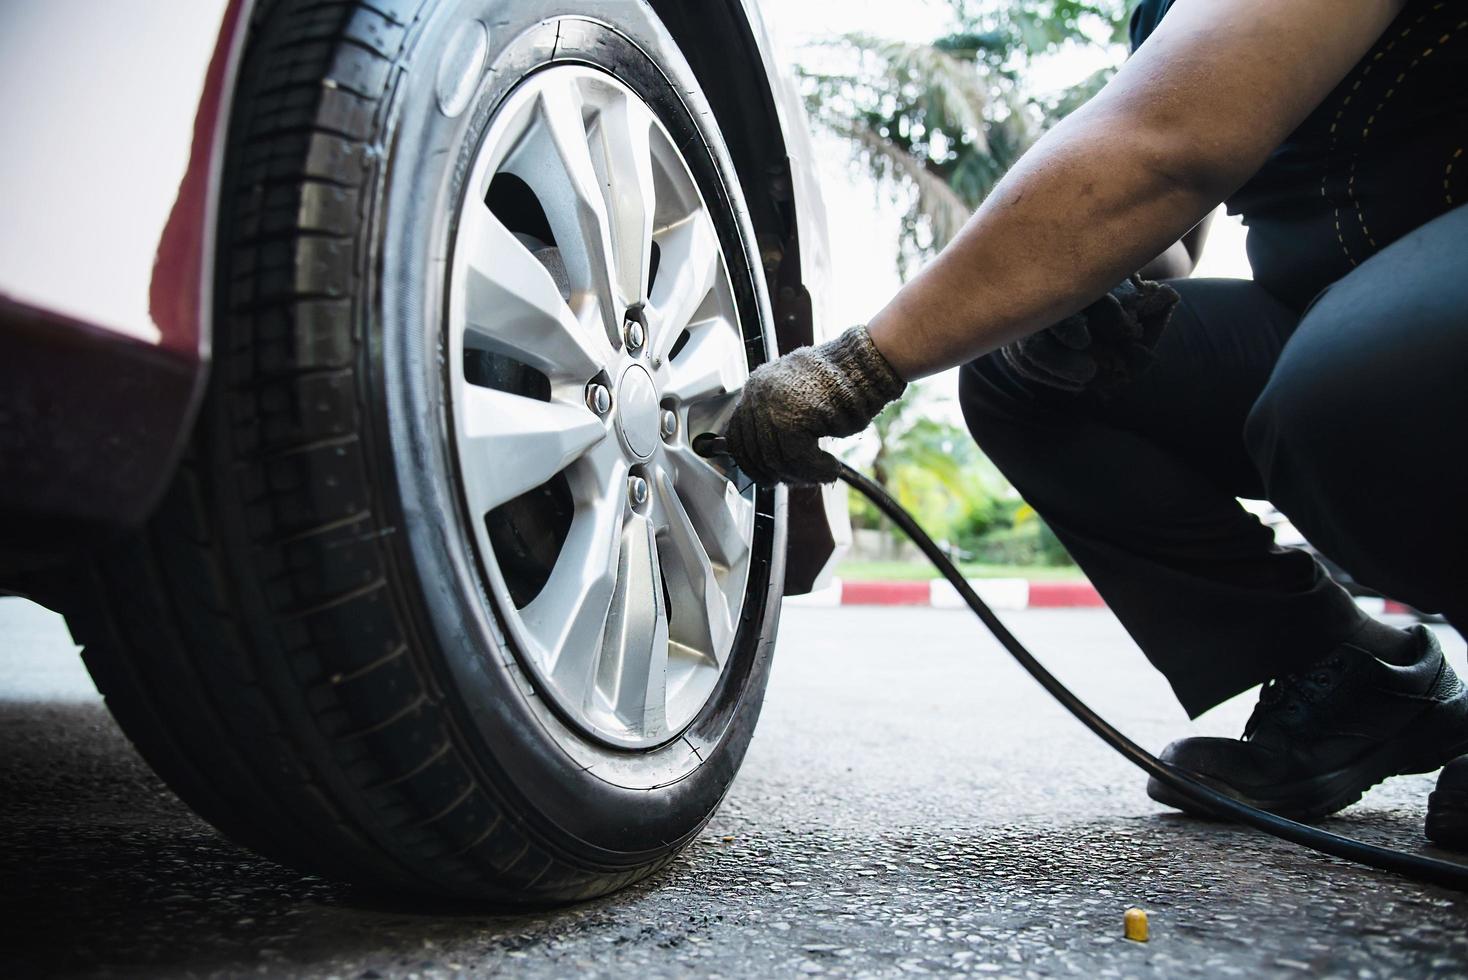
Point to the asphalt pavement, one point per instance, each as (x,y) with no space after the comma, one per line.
(912,803)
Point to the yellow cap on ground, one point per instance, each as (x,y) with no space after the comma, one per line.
(1136,925)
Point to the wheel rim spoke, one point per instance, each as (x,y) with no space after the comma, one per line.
(710,365)
(554,159)
(622,139)
(567,620)
(512,444)
(705,625)
(512,306)
(632,673)
(687,271)
(720,514)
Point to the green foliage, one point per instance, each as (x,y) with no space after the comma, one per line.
(935,470)
(908,571)
(1033,29)
(942,122)
(1031,543)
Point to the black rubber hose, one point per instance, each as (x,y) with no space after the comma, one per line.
(1446,873)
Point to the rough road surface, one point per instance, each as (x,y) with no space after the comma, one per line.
(911,804)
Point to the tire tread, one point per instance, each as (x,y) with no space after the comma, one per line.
(247,640)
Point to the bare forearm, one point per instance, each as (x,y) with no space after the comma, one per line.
(1078,215)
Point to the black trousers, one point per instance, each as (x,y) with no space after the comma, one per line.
(1351,418)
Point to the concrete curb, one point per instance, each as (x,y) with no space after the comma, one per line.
(999,593)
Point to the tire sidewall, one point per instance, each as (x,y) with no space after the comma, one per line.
(611,807)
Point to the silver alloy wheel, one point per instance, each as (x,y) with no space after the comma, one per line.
(586,256)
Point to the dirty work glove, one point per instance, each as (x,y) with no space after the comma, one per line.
(835,389)
(1101,348)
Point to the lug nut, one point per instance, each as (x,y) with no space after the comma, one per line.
(636,336)
(637,489)
(669,423)
(599,398)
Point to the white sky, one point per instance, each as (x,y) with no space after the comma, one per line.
(798,21)
(862,220)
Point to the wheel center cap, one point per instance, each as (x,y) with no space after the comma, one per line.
(637,411)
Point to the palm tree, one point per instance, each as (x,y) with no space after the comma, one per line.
(942,122)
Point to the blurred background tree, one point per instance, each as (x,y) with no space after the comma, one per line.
(934,469)
(940,123)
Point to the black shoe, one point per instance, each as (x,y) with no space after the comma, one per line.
(1447,807)
(1319,739)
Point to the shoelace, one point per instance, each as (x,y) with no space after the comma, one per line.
(1284,694)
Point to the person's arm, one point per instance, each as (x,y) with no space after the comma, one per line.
(1179,261)
(1191,116)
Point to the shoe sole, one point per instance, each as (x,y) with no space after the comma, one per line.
(1447,819)
(1332,792)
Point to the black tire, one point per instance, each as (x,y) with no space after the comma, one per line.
(296,641)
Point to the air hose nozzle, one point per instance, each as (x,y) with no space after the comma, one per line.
(709,445)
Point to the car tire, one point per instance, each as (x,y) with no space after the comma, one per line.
(311,640)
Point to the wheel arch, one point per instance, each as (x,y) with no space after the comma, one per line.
(749,115)
(760,120)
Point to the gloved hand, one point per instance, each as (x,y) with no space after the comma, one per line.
(835,389)
(1100,348)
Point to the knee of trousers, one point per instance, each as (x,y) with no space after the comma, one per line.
(1299,429)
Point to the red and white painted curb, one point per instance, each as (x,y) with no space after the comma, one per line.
(998,593)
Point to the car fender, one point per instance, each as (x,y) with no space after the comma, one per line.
(810,203)
(764,123)
(825,510)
